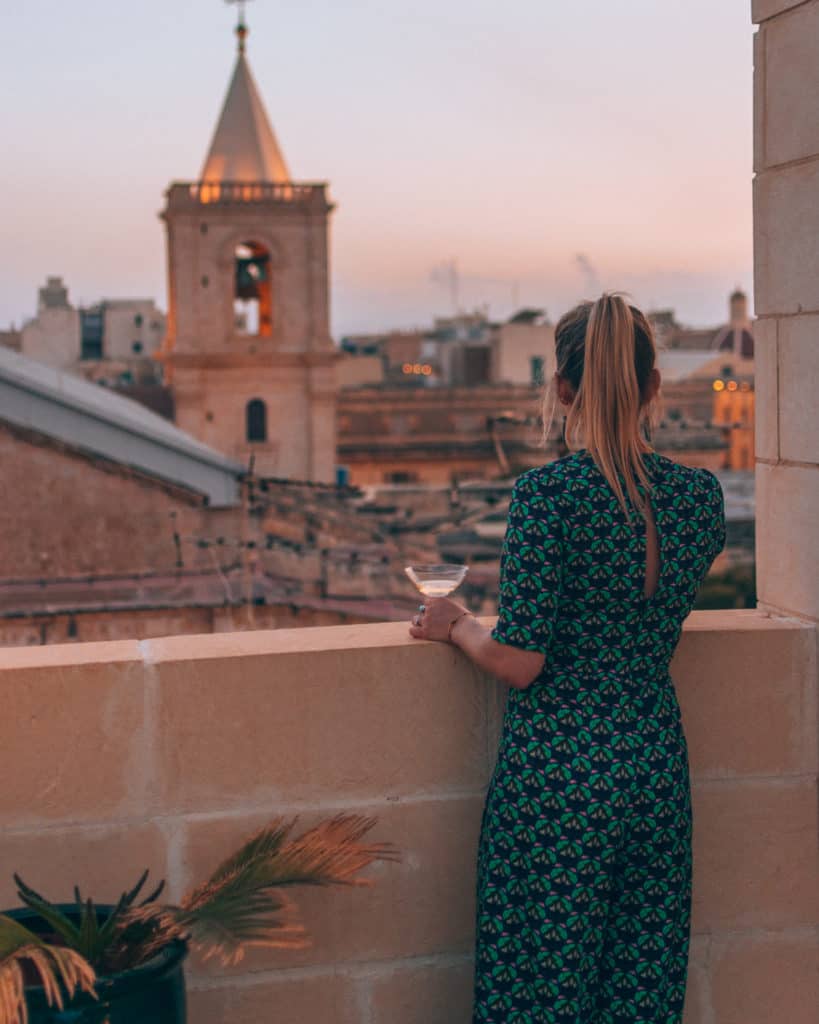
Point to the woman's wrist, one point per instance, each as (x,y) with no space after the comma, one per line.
(453,625)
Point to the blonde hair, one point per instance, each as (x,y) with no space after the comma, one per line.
(606,351)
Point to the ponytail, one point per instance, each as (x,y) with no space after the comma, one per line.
(606,351)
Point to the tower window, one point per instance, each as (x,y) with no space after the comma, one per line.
(253,295)
(536,370)
(256,420)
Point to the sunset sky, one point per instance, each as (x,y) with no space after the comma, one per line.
(510,137)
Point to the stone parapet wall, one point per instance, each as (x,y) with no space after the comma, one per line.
(165,753)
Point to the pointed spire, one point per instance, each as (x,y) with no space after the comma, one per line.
(244,147)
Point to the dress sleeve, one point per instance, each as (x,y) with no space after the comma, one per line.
(531,573)
(716,518)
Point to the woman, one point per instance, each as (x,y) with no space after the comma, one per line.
(584,860)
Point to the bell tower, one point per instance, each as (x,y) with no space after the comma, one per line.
(248,353)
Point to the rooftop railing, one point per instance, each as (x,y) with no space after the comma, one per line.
(222,192)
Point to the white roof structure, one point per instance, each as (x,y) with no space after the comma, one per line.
(101,422)
(244,148)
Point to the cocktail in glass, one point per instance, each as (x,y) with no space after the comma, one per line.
(437,580)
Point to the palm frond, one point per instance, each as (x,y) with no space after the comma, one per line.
(56,967)
(259,849)
(224,924)
(231,919)
(330,854)
(237,905)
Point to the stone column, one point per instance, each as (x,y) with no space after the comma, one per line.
(786,256)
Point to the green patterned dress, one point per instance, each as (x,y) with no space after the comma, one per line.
(584,860)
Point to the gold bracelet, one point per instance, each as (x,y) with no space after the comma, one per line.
(452,625)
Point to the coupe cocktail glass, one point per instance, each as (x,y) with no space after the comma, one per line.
(437,580)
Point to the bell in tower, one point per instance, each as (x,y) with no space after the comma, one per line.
(248,352)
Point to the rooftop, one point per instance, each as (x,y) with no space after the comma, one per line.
(96,420)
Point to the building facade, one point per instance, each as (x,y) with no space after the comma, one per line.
(111,342)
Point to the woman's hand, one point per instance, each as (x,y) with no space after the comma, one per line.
(433,622)
(512,665)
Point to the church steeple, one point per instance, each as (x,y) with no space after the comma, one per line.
(248,351)
(244,147)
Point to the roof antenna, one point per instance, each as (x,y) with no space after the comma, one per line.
(241,26)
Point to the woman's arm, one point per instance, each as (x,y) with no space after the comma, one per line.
(512,665)
(531,581)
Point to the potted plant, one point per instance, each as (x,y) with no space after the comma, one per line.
(122,964)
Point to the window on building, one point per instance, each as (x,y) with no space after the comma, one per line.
(91,333)
(400,477)
(138,320)
(474,365)
(253,293)
(536,369)
(136,347)
(256,420)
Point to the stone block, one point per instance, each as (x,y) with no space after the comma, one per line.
(761,978)
(799,385)
(786,232)
(759,100)
(756,856)
(787,548)
(432,994)
(77,751)
(792,86)
(311,999)
(315,724)
(103,861)
(422,906)
(697,1000)
(762,10)
(748,700)
(766,407)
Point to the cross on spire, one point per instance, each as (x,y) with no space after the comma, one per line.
(241,26)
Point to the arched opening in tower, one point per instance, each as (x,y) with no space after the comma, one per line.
(253,296)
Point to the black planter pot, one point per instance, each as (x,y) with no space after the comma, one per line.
(153,992)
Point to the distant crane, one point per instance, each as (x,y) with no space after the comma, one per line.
(590,274)
(446,274)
